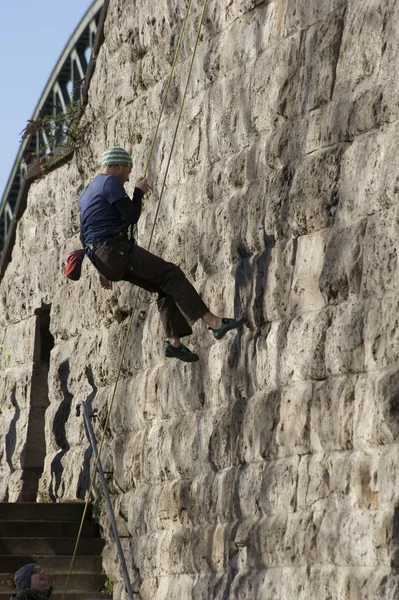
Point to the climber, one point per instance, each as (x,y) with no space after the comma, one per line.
(31,581)
(106,213)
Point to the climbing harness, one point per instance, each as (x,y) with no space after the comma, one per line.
(148,248)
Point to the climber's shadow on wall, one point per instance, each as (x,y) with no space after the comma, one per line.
(251,282)
(59,428)
(251,279)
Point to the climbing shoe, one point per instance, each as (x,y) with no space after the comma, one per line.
(227,324)
(181,352)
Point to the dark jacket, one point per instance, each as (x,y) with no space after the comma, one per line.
(32,594)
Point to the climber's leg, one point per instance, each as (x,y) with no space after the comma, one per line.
(168,279)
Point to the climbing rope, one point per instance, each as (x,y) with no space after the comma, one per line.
(148,248)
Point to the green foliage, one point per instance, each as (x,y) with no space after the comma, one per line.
(61,131)
(109,587)
(6,356)
(44,497)
(98,504)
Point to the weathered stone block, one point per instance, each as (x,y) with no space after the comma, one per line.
(305,294)
(376,409)
(358,65)
(341,275)
(331,414)
(368,183)
(344,345)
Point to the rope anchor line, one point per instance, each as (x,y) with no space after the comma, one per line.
(148,248)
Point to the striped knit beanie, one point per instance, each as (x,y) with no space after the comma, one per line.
(116,156)
(23,575)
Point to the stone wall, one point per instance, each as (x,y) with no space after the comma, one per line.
(270,469)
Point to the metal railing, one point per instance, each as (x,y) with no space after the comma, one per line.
(93,444)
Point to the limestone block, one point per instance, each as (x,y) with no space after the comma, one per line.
(170,588)
(331,536)
(372,108)
(301,347)
(331,414)
(236,45)
(279,489)
(389,33)
(170,453)
(326,126)
(277,276)
(314,192)
(14,486)
(264,358)
(342,271)
(14,353)
(301,15)
(305,294)
(253,238)
(252,425)
(15,390)
(273,84)
(375,416)
(281,540)
(213,250)
(359,63)
(293,428)
(296,583)
(386,476)
(339,480)
(380,260)
(341,538)
(369,182)
(152,554)
(250,288)
(229,122)
(5,473)
(294,88)
(344,347)
(197,501)
(241,7)
(321,50)
(31,286)
(323,481)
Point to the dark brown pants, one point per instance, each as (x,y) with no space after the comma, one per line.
(178,302)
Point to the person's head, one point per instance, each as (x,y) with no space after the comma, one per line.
(31,576)
(117,162)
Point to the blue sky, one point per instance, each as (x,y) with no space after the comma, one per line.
(32,37)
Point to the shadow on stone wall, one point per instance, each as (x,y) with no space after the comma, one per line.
(84,476)
(59,430)
(11,437)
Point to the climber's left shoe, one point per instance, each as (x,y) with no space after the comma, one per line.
(227,325)
(181,352)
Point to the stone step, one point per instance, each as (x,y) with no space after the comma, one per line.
(46,533)
(43,529)
(52,564)
(71,595)
(56,546)
(32,511)
(77,581)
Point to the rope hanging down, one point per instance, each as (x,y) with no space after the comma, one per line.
(148,248)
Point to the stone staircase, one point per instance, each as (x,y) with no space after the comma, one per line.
(46,534)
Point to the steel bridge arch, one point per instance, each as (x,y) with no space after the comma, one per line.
(63,86)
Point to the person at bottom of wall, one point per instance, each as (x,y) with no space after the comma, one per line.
(106,213)
(31,583)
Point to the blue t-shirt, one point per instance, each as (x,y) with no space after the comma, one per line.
(99,218)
